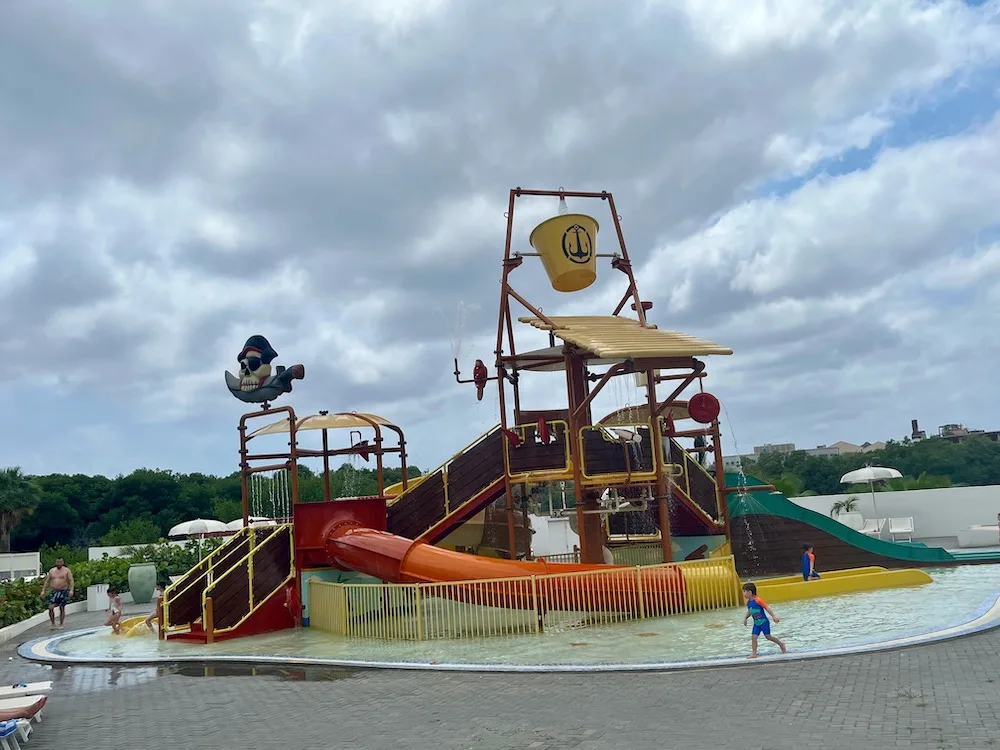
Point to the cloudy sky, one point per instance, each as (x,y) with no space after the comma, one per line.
(814,184)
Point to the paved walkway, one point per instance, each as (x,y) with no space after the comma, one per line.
(932,697)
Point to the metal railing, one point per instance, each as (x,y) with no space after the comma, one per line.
(626,554)
(562,557)
(638,554)
(515,606)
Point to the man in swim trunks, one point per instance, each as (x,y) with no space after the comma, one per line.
(59,582)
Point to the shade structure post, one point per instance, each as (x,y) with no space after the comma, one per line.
(878,527)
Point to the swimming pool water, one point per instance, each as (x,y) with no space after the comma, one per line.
(805,625)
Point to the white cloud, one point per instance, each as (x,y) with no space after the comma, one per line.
(337,177)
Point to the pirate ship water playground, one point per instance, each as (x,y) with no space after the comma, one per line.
(437,571)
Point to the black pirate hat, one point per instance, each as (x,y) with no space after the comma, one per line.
(260,344)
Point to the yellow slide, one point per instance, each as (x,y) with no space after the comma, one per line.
(836,582)
(134,626)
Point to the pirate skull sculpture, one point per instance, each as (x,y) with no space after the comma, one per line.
(255,363)
(253,370)
(256,383)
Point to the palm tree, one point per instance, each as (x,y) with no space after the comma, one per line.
(848,505)
(18,497)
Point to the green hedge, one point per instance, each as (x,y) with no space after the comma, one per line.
(21,599)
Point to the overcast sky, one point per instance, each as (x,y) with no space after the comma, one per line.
(813,184)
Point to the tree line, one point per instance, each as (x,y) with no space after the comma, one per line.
(78,511)
(925,464)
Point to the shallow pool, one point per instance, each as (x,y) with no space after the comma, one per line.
(805,625)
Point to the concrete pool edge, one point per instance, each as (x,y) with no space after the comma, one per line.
(985,617)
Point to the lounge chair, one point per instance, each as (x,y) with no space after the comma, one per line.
(23,689)
(901,527)
(872,527)
(851,520)
(9,731)
(28,707)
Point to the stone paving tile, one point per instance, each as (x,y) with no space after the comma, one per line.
(936,697)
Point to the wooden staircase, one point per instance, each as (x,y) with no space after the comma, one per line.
(239,589)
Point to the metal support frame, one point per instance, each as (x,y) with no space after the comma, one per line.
(579,394)
(289,459)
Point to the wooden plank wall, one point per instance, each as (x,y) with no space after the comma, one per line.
(419,509)
(765,545)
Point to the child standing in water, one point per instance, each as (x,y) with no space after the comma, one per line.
(114,611)
(808,563)
(757,609)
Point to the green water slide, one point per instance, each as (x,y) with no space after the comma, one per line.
(776,504)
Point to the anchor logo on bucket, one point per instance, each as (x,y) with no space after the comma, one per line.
(577,245)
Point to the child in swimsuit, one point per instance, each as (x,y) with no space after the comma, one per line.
(808,563)
(114,611)
(757,609)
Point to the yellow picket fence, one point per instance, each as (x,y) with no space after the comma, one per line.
(513,606)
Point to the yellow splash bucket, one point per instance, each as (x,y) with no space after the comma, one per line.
(567,245)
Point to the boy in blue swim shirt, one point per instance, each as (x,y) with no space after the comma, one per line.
(808,563)
(757,609)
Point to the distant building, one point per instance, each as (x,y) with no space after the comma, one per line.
(841,447)
(760,450)
(953,430)
(732,463)
(955,433)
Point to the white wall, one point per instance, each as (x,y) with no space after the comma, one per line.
(96,553)
(936,513)
(14,565)
(553,536)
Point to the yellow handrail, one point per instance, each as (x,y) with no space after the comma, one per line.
(690,459)
(248,558)
(674,470)
(540,475)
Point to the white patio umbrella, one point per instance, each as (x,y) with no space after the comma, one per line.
(198,527)
(253,520)
(871,474)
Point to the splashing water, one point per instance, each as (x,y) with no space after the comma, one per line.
(352,480)
(459,325)
(745,498)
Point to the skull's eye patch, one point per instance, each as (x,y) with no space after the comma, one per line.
(253,363)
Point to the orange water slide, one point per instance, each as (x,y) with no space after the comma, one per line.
(617,588)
